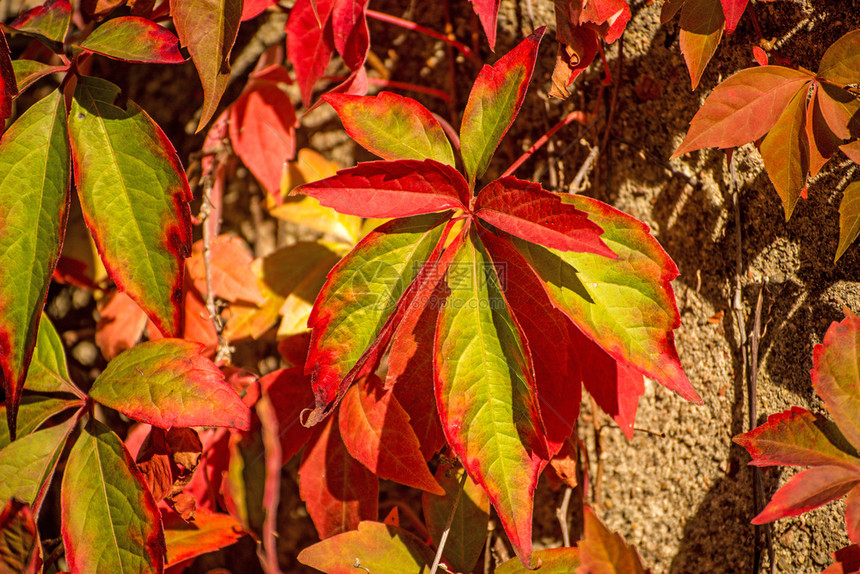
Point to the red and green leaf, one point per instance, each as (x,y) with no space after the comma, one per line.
(110,521)
(338,490)
(603,551)
(809,489)
(743,108)
(50,20)
(374,546)
(488,13)
(208,28)
(551,559)
(841,62)
(494,102)
(785,151)
(134,195)
(383,189)
(849,218)
(486,392)
(20,548)
(209,532)
(134,39)
(28,72)
(34,199)
(702,23)
(393,127)
(168,383)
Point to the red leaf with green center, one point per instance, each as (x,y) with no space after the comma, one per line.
(263,132)
(488,13)
(809,489)
(134,195)
(383,189)
(376,432)
(20,548)
(8,83)
(552,559)
(168,383)
(494,102)
(550,339)
(34,199)
(50,20)
(526,210)
(377,547)
(208,29)
(134,39)
(836,375)
(785,151)
(338,490)
(625,305)
(486,393)
(229,268)
(606,552)
(841,111)
(733,10)
(310,45)
(27,465)
(290,393)
(797,437)
(823,143)
(110,521)
(392,127)
(209,532)
(743,108)
(701,30)
(359,297)
(27,72)
(471,513)
(841,62)
(849,218)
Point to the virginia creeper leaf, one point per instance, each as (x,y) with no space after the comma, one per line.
(836,377)
(377,547)
(27,465)
(349,33)
(625,305)
(743,108)
(701,30)
(134,195)
(823,143)
(48,372)
(384,189)
(603,551)
(289,390)
(552,560)
(208,29)
(375,430)
(310,45)
(338,490)
(494,102)
(134,39)
(526,210)
(50,20)
(209,532)
(33,412)
(841,62)
(168,383)
(785,151)
(809,489)
(27,72)
(488,13)
(486,393)
(796,437)
(121,324)
(34,200)
(841,111)
(670,9)
(229,268)
(360,294)
(852,150)
(849,218)
(8,81)
(392,127)
(733,10)
(253,8)
(852,515)
(110,521)
(468,532)
(20,548)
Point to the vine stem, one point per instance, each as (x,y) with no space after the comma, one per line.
(409,25)
(398,85)
(569,118)
(447,530)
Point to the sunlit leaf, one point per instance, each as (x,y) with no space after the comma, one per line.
(34,411)
(841,62)
(50,20)
(606,552)
(841,111)
(308,47)
(702,23)
(809,489)
(229,268)
(733,10)
(134,39)
(48,372)
(849,218)
(27,72)
(785,151)
(120,326)
(488,12)
(209,532)
(560,560)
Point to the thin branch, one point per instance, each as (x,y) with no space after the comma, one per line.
(561,514)
(447,530)
(569,118)
(409,25)
(397,85)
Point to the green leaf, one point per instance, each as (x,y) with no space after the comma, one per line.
(785,151)
(702,23)
(208,29)
(486,395)
(28,72)
(836,375)
(841,61)
(34,199)
(27,465)
(553,561)
(48,372)
(169,383)
(49,21)
(493,104)
(34,411)
(110,521)
(625,305)
(134,196)
(849,218)
(376,547)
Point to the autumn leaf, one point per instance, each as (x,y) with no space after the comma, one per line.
(209,532)
(849,218)
(702,23)
(488,12)
(20,547)
(603,551)
(134,39)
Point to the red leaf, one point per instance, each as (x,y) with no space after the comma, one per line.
(841,110)
(760,56)
(20,549)
(262,131)
(338,490)
(609,17)
(8,87)
(823,143)
(385,189)
(205,485)
(809,489)
(604,551)
(349,31)
(701,30)
(743,108)
(197,322)
(290,393)
(253,8)
(134,39)
(309,42)
(50,20)
(733,10)
(847,561)
(209,532)
(526,210)
(376,432)
(230,269)
(488,12)
(852,515)
(121,324)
